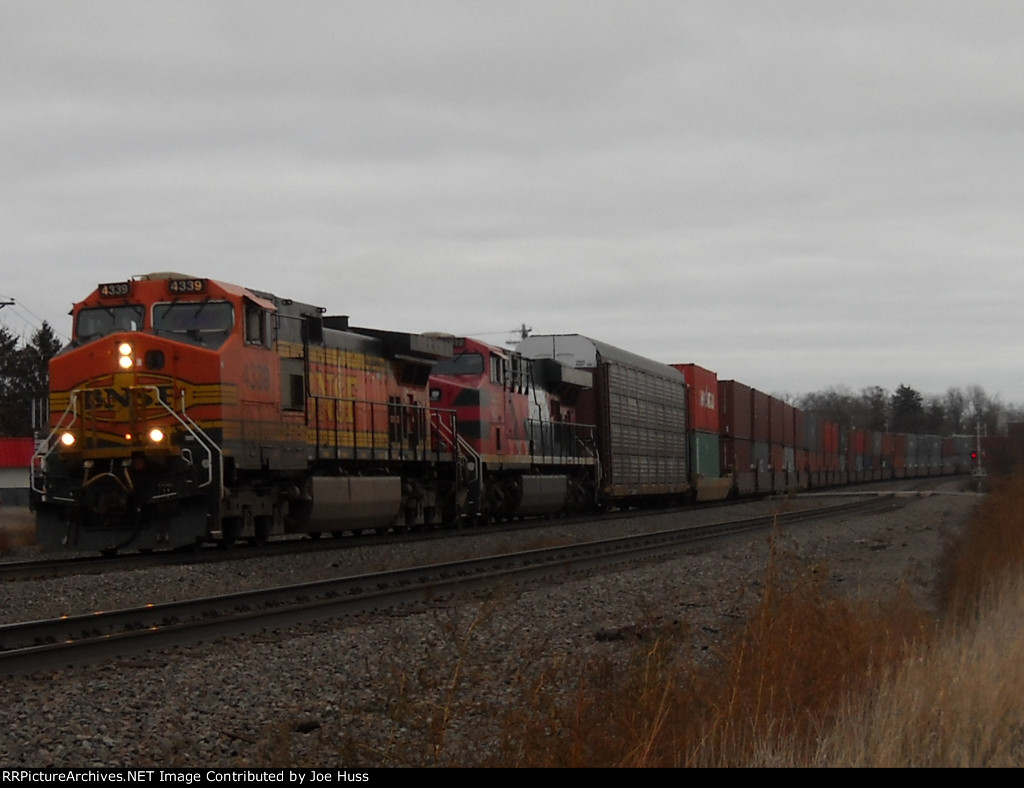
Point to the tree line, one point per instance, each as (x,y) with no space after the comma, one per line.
(960,411)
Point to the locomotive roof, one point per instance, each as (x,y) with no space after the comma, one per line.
(414,347)
(577,350)
(265,300)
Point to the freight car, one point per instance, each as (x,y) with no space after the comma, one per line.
(187,410)
(640,409)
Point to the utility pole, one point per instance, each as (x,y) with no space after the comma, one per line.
(523,331)
(979,470)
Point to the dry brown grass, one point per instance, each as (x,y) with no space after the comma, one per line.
(992,548)
(812,679)
(955,703)
(783,677)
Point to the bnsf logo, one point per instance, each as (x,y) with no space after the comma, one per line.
(112,398)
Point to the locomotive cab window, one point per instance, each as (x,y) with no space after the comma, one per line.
(257,325)
(519,381)
(464,364)
(498,370)
(101,321)
(206,322)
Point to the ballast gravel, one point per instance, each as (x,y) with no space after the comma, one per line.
(424,685)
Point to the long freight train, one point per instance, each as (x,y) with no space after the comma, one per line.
(187,410)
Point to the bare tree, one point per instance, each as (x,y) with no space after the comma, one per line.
(956,407)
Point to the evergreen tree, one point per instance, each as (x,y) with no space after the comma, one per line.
(907,410)
(24,379)
(9,359)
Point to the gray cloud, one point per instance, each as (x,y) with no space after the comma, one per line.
(797,194)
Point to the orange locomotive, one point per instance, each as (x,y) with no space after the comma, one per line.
(187,410)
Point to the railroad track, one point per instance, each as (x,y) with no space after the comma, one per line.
(96,564)
(51,644)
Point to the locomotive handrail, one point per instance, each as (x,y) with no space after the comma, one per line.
(475,481)
(435,430)
(406,424)
(447,430)
(49,443)
(560,440)
(201,437)
(46,448)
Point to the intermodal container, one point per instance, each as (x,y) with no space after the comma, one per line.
(803,468)
(873,454)
(705,454)
(762,461)
(800,440)
(913,466)
(899,456)
(888,455)
(735,408)
(703,393)
(776,420)
(760,416)
(933,454)
(737,459)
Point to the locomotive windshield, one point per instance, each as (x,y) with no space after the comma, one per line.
(100,321)
(466,364)
(208,322)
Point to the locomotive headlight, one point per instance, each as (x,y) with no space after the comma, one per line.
(156,435)
(67,439)
(125,361)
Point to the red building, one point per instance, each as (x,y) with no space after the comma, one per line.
(15,458)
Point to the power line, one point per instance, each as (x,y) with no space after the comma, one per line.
(29,318)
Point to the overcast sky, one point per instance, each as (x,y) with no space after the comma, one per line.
(797,195)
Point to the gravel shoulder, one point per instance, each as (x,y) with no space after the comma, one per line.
(421,686)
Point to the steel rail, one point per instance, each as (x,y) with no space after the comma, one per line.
(50,644)
(96,564)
